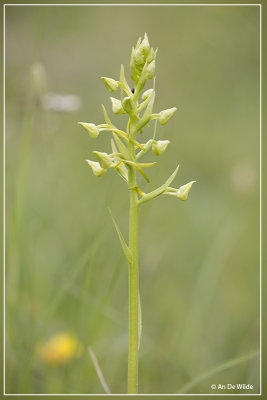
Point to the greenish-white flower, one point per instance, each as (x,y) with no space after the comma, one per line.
(127,104)
(147,145)
(144,46)
(110,84)
(151,69)
(152,55)
(139,58)
(105,160)
(116,106)
(147,93)
(90,128)
(165,115)
(183,191)
(141,54)
(96,168)
(158,147)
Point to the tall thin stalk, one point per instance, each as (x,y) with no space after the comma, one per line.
(133,287)
(124,159)
(133,277)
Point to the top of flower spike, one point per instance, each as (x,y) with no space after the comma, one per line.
(143,68)
(142,54)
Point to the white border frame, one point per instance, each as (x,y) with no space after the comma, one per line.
(4,136)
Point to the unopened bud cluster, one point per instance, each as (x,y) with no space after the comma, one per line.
(143,60)
(140,112)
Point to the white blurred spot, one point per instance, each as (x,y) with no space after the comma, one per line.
(61,102)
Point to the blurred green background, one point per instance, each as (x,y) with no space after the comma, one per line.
(199,260)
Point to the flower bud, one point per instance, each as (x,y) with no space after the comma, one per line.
(110,84)
(90,128)
(140,55)
(182,192)
(96,168)
(147,145)
(151,55)
(151,69)
(132,65)
(139,58)
(105,160)
(127,104)
(165,115)
(144,46)
(116,106)
(146,94)
(158,147)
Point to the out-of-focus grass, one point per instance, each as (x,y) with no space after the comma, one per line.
(199,260)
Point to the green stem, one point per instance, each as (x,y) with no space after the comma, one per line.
(133,282)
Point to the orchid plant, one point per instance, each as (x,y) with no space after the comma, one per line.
(126,151)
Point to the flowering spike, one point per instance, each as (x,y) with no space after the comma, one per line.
(124,159)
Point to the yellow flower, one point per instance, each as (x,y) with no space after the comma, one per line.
(60,349)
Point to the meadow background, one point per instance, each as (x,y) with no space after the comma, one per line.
(199,260)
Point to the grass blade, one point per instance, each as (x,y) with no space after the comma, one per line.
(98,371)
